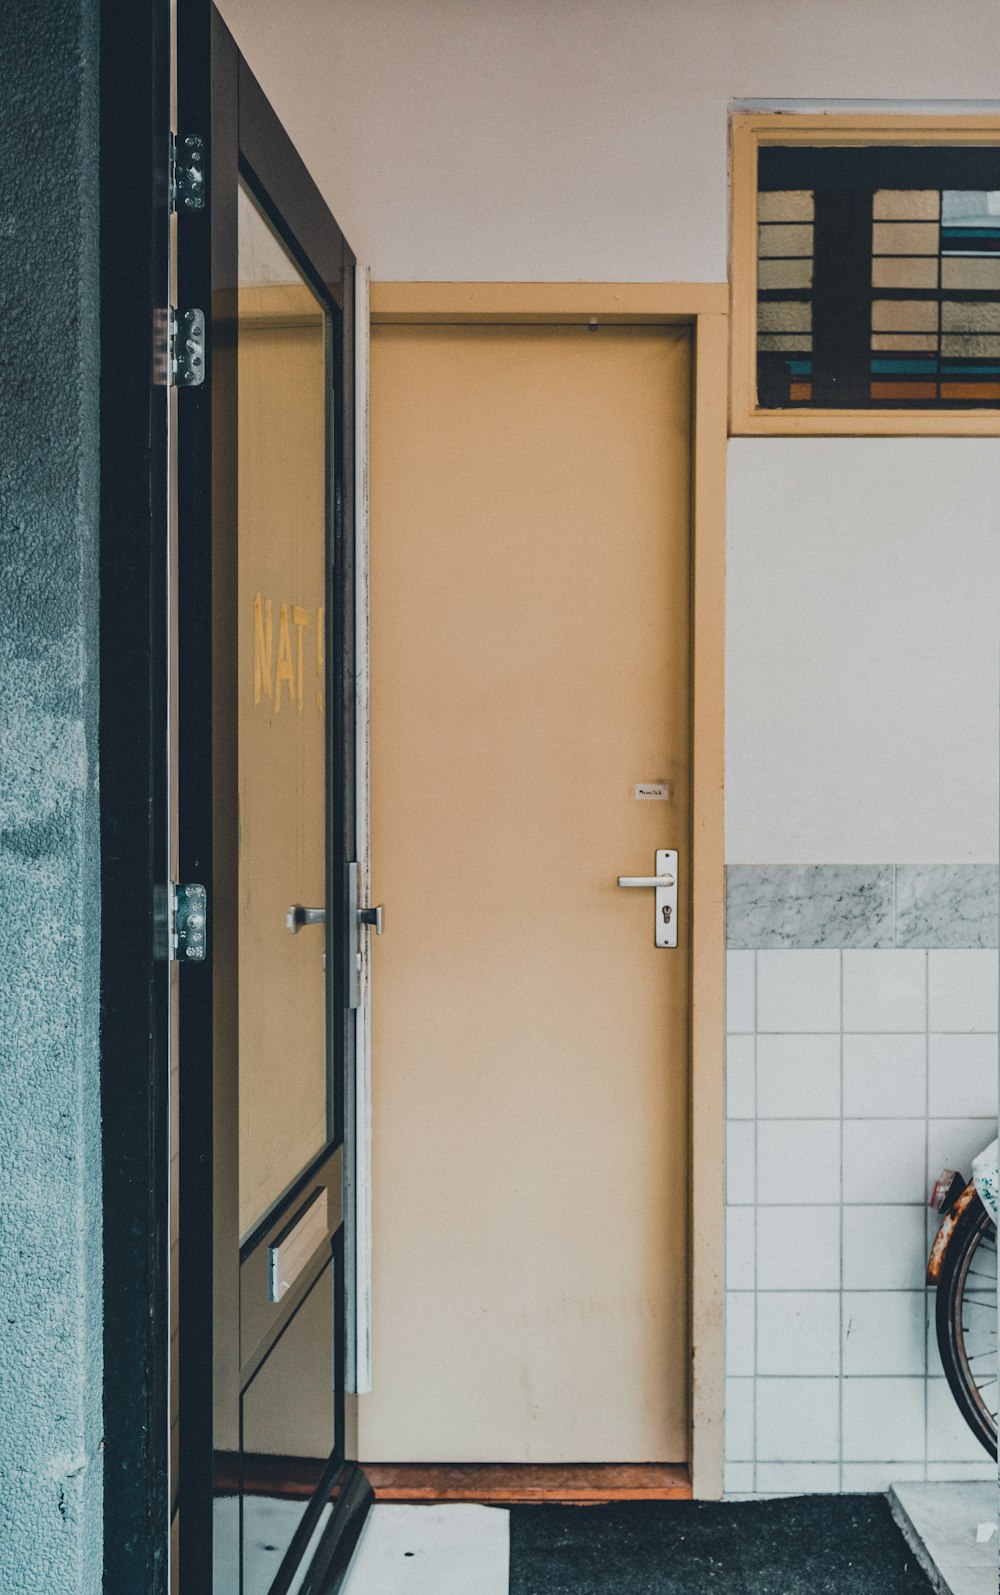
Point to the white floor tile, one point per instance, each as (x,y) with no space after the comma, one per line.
(432,1550)
(942,1520)
(268,1536)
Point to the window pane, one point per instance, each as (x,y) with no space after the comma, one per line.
(785,205)
(904,340)
(905,315)
(970,208)
(903,204)
(782,240)
(970,346)
(784,340)
(784,315)
(904,271)
(878,275)
(967,271)
(785,274)
(970,315)
(905,238)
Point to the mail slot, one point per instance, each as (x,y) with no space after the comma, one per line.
(288,1255)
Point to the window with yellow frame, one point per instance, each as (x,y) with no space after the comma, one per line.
(865,274)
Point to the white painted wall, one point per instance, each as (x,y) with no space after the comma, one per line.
(572,138)
(586,139)
(863,650)
(576,139)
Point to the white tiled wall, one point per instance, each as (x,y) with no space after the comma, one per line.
(853,1078)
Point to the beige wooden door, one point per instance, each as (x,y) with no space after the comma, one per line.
(530,653)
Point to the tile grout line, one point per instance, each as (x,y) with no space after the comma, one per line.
(927,1154)
(756,1211)
(840,1223)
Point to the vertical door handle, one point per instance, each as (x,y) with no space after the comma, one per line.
(355,917)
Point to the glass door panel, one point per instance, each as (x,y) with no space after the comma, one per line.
(283,388)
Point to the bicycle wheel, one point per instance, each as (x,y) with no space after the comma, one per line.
(966,1313)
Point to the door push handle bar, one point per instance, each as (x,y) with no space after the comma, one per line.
(298,916)
(661,881)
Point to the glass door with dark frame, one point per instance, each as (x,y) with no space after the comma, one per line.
(265,776)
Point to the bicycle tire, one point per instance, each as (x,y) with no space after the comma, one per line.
(974,1228)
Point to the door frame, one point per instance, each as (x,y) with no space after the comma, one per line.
(219,98)
(704,307)
(134,83)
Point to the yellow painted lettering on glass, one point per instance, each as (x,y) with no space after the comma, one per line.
(263,639)
(320,658)
(286,669)
(300,620)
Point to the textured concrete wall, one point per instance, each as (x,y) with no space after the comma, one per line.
(50,1154)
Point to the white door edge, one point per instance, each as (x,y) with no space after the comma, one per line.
(358,1203)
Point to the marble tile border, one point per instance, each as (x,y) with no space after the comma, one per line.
(947,905)
(862,905)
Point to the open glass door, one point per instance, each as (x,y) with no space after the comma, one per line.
(268,1500)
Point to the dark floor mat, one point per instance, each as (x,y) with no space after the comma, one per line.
(803,1545)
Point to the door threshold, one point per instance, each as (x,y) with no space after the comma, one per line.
(521,1483)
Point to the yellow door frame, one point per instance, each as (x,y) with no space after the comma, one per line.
(703,306)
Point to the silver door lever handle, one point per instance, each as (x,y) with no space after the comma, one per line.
(298,916)
(646,880)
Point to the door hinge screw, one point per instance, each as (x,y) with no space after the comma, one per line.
(188,922)
(187,173)
(186,348)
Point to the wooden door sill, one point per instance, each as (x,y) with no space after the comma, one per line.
(520,1484)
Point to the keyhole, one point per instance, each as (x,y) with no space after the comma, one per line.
(666,912)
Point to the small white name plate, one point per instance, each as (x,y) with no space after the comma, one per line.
(652,792)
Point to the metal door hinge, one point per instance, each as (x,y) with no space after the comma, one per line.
(186,185)
(186,348)
(187,922)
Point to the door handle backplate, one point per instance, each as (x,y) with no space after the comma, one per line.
(664,885)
